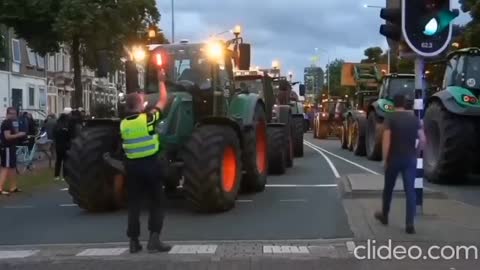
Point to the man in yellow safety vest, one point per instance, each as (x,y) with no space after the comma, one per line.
(142,145)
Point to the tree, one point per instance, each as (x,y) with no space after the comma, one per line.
(373,54)
(86,26)
(335,73)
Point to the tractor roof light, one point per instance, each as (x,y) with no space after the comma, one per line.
(138,53)
(215,50)
(237,30)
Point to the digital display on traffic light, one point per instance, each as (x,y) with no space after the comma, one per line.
(426,25)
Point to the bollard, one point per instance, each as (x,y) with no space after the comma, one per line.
(418,108)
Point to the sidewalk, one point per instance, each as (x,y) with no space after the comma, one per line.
(443,220)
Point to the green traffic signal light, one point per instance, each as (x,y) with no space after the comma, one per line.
(440,22)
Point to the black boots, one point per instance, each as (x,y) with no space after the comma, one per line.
(155,245)
(135,246)
(382,218)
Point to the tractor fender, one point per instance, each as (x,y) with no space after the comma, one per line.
(235,124)
(243,106)
(452,100)
(381,107)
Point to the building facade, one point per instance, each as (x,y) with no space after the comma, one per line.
(23,80)
(314,80)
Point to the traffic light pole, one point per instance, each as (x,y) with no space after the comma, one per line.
(418,108)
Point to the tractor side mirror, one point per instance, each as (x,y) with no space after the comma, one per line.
(301,90)
(244,56)
(103,63)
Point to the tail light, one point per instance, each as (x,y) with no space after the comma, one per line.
(469,99)
(158,59)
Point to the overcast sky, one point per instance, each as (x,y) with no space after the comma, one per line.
(284,29)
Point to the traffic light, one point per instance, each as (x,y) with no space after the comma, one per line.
(392,29)
(426,25)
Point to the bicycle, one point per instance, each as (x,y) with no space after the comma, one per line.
(27,157)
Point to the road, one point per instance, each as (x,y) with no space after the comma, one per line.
(301,211)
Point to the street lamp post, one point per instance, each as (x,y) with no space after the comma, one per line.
(328,69)
(173,21)
(388,50)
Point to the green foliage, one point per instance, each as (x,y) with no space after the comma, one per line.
(87,26)
(373,54)
(336,77)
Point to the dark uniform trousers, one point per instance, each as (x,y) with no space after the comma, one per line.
(144,181)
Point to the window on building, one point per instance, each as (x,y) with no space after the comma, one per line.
(51,62)
(17,57)
(59,61)
(31,96)
(32,61)
(40,61)
(42,98)
(66,58)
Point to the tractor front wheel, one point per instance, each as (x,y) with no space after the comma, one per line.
(212,168)
(448,153)
(322,129)
(373,137)
(277,138)
(298,131)
(92,183)
(255,159)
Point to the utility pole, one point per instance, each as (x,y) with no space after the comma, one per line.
(173,21)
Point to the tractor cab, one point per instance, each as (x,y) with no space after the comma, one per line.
(397,84)
(365,99)
(463,70)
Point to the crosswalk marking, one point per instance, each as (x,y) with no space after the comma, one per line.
(193,249)
(285,250)
(102,252)
(15,254)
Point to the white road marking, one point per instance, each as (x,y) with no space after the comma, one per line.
(301,186)
(351,246)
(342,158)
(294,200)
(330,163)
(285,250)
(244,201)
(68,205)
(18,207)
(15,254)
(102,252)
(193,249)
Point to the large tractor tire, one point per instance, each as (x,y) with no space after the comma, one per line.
(344,134)
(93,184)
(322,129)
(314,129)
(298,131)
(212,168)
(277,138)
(373,137)
(255,154)
(449,150)
(289,145)
(356,137)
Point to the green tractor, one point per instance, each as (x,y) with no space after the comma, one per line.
(286,97)
(392,85)
(280,153)
(451,120)
(214,137)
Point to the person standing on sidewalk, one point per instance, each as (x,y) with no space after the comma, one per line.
(61,137)
(10,137)
(141,145)
(402,128)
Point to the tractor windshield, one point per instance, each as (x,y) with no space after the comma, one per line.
(472,72)
(250,85)
(401,86)
(181,63)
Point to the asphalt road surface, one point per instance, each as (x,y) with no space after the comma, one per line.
(302,204)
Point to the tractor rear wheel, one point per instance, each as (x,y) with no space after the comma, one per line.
(277,138)
(212,168)
(448,153)
(255,154)
(373,138)
(93,184)
(357,137)
(322,129)
(298,131)
(314,129)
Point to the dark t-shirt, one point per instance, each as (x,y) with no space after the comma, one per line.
(404,128)
(8,124)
